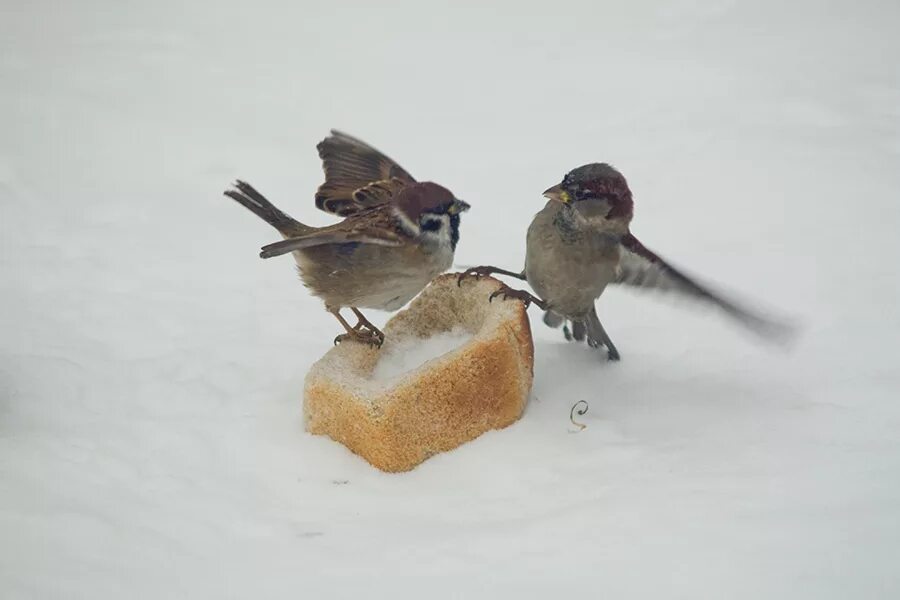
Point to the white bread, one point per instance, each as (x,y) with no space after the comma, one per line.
(398,423)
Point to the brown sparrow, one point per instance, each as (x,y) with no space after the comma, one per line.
(396,236)
(580,243)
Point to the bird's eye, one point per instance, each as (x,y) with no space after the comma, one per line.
(431,224)
(583,194)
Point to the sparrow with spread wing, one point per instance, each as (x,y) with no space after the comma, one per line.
(581,242)
(396,236)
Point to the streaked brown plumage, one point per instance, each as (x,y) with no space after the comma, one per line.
(397,234)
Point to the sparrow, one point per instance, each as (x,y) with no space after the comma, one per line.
(581,242)
(396,236)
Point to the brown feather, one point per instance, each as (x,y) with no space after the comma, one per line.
(376,225)
(357,176)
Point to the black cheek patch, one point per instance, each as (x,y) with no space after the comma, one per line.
(454,231)
(430,225)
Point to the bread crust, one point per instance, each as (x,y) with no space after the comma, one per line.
(482,385)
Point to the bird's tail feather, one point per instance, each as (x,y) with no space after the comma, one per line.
(247,196)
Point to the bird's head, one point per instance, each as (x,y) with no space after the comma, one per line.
(432,212)
(596,190)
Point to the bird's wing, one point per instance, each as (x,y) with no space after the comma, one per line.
(374,226)
(640,267)
(357,176)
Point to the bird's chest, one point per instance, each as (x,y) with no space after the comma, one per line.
(567,267)
(436,256)
(369,275)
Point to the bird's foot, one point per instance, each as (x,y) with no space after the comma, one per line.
(485,271)
(366,326)
(507,293)
(363,335)
(476,272)
(363,332)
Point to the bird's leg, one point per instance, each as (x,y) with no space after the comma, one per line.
(359,333)
(507,292)
(337,315)
(364,324)
(479,272)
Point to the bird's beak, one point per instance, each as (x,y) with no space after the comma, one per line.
(458,206)
(557,193)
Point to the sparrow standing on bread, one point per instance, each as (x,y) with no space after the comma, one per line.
(581,242)
(396,236)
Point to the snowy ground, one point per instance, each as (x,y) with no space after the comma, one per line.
(151,365)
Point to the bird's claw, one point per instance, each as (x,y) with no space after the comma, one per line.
(476,272)
(363,335)
(509,293)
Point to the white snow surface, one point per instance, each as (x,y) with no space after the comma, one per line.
(410,353)
(151,365)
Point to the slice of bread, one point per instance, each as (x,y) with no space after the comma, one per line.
(397,422)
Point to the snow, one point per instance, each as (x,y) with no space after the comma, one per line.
(410,353)
(151,366)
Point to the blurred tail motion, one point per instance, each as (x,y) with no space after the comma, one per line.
(591,330)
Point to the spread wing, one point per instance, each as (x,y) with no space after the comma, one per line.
(377,227)
(640,267)
(357,176)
